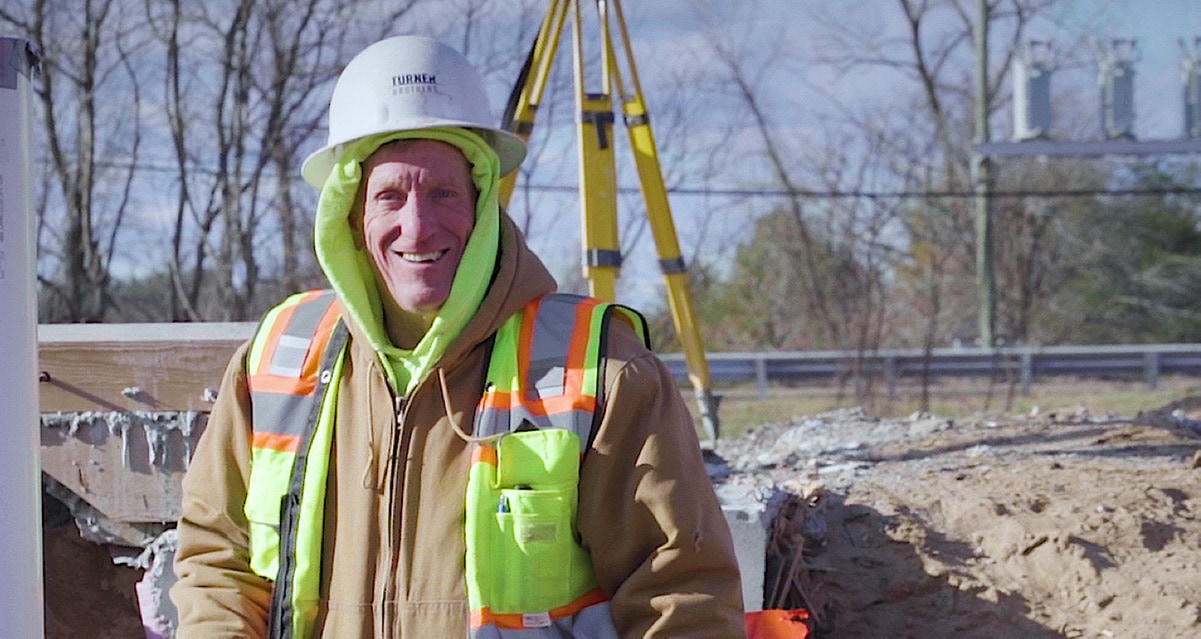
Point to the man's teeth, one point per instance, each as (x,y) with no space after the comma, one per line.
(421,257)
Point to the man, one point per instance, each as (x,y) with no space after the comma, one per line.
(421,452)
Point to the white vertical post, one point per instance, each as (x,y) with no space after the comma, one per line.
(21,592)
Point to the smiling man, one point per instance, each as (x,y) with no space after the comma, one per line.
(418,211)
(440,445)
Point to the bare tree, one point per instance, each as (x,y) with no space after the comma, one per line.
(91,106)
(833,251)
(237,121)
(931,61)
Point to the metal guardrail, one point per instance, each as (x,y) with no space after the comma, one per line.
(1130,361)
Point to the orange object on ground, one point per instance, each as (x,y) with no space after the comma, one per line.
(777,624)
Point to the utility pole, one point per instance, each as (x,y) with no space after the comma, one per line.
(20,500)
(982,174)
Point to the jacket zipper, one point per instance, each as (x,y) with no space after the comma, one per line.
(391,606)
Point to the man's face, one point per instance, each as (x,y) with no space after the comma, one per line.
(418,211)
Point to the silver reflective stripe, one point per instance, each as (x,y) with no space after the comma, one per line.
(553,329)
(308,315)
(547,375)
(297,337)
(288,360)
(554,326)
(593,622)
(495,421)
(281,414)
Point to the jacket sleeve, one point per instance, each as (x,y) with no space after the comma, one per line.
(217,594)
(660,544)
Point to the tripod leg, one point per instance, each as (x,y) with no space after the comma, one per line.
(598,176)
(671,262)
(522,106)
(658,210)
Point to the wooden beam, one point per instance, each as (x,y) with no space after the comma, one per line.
(134,367)
(122,406)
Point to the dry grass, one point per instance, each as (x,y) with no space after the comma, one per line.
(744,407)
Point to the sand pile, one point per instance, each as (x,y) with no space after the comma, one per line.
(1047,525)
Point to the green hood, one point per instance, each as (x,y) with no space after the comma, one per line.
(351,273)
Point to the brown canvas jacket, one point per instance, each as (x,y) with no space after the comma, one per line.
(394,553)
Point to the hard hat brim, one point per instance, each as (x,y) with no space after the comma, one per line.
(510,148)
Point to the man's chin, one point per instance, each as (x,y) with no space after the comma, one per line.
(425,306)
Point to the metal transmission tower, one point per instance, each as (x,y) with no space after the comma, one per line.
(598,176)
(1115,60)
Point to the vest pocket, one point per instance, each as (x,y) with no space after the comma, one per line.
(270,471)
(535,545)
(534,555)
(264,542)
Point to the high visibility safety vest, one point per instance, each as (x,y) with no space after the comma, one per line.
(526,574)
(293,362)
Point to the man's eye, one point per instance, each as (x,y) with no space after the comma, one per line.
(442,193)
(390,196)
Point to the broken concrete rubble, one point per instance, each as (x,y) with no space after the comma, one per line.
(159,616)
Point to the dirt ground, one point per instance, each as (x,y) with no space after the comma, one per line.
(87,596)
(1057,524)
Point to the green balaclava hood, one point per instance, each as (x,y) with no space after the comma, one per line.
(352,275)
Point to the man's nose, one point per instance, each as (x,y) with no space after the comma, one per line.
(416,217)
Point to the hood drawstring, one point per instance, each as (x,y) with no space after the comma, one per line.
(370,479)
(454,423)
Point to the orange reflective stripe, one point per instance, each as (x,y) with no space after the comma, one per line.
(540,407)
(325,328)
(484,455)
(309,296)
(578,351)
(282,385)
(525,342)
(274,441)
(510,621)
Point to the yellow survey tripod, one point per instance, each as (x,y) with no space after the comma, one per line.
(598,176)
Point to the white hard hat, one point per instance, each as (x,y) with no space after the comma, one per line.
(407,83)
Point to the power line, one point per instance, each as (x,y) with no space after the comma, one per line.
(760,192)
(881,195)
